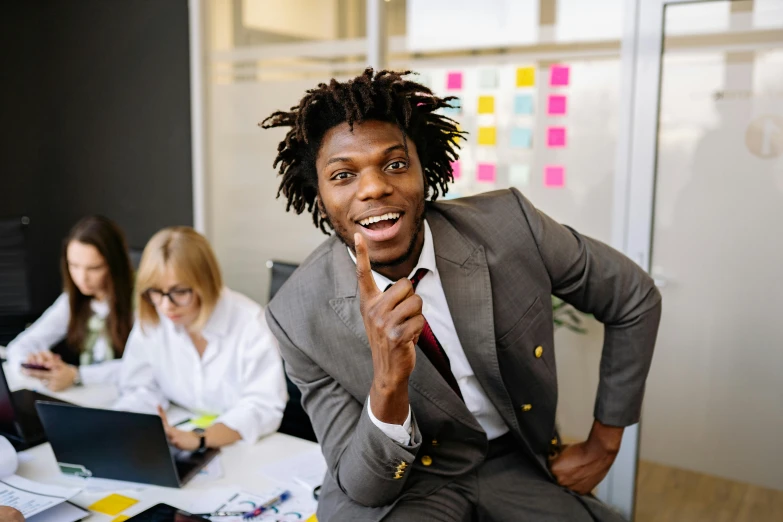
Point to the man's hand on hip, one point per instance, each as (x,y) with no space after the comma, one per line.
(581,467)
(393,321)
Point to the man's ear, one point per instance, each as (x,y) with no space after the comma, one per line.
(321,211)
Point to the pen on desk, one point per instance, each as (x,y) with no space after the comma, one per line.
(269,504)
(221,514)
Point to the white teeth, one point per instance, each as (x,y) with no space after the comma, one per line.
(375,219)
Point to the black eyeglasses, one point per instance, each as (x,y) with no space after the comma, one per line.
(177,296)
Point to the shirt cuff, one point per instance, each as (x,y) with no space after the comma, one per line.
(401,434)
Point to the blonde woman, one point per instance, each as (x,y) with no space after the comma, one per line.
(200,345)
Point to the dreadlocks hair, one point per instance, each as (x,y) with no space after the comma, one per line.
(384,96)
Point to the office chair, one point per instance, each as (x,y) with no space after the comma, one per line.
(15,292)
(295,420)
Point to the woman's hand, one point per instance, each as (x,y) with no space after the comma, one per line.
(181,439)
(59,375)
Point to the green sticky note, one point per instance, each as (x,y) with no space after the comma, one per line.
(203,422)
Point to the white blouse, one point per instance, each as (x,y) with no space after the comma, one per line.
(51,328)
(239,377)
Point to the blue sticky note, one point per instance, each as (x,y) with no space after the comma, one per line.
(521,137)
(523,104)
(455,109)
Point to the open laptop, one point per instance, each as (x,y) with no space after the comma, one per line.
(117,445)
(19,421)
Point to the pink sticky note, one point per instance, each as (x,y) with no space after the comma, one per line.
(558,75)
(454,81)
(456,170)
(554,176)
(556,137)
(486,172)
(556,105)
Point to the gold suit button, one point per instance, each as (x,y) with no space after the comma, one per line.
(554,441)
(426,460)
(527,407)
(539,351)
(398,475)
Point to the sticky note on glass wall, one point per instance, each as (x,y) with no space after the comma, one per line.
(488,78)
(456,169)
(454,81)
(455,107)
(523,104)
(556,105)
(487,135)
(554,176)
(519,175)
(556,137)
(486,105)
(526,76)
(521,138)
(559,75)
(486,172)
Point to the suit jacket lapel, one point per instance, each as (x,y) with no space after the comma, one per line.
(464,275)
(425,381)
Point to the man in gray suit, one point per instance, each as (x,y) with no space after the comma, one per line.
(421,333)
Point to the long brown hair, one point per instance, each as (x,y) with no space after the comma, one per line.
(109,240)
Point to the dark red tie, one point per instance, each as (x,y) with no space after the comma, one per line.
(431,347)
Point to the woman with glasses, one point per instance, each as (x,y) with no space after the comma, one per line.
(200,345)
(87,326)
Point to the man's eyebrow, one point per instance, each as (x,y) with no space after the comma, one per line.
(341,159)
(399,146)
(337,160)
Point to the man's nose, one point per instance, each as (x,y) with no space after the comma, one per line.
(373,184)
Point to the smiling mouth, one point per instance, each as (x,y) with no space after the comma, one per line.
(377,223)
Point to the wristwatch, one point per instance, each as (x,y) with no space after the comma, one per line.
(202,440)
(77,379)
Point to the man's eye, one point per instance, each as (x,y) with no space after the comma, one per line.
(342,175)
(396,165)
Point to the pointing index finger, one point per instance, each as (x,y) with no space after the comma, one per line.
(367,287)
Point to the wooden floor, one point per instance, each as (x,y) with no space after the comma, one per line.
(667,494)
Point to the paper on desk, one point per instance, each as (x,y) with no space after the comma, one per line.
(305,470)
(31,497)
(297,508)
(65,512)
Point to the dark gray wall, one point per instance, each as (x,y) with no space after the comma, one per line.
(94,118)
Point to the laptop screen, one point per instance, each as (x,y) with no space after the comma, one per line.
(8,424)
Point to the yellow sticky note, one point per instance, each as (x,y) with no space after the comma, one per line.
(312,519)
(121,518)
(486,105)
(457,138)
(203,422)
(526,76)
(112,505)
(486,135)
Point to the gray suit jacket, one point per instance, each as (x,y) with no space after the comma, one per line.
(499,260)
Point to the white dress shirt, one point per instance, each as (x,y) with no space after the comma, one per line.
(51,328)
(239,377)
(436,311)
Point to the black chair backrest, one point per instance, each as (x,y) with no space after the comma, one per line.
(295,420)
(280,272)
(15,291)
(14,284)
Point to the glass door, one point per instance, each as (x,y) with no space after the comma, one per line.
(706,209)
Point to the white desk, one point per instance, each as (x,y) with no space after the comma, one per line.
(240,462)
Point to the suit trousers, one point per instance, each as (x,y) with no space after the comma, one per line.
(506,487)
